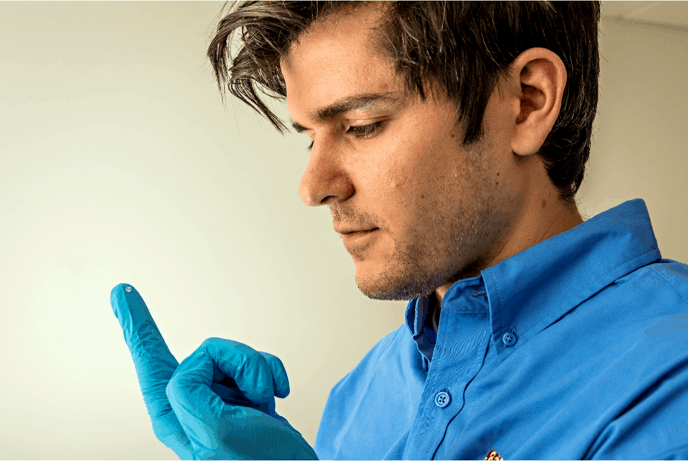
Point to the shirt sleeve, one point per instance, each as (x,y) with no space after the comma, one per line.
(680,453)
(653,424)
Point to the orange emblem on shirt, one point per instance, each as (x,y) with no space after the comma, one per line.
(492,455)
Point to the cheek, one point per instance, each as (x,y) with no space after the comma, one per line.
(407,170)
(404,158)
(387,167)
(387,190)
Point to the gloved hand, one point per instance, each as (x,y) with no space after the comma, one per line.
(195,407)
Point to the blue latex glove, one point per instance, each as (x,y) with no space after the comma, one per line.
(219,403)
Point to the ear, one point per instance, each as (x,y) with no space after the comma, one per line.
(537,79)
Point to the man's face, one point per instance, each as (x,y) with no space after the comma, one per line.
(444,212)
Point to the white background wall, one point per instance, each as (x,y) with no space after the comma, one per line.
(118,163)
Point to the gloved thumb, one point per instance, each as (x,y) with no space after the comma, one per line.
(279,375)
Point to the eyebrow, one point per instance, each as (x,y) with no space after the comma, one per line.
(347,104)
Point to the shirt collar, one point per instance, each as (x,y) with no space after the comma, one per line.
(529,291)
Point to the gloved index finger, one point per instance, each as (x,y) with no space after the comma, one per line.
(140,331)
(153,360)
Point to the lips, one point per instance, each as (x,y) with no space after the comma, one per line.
(360,231)
(359,238)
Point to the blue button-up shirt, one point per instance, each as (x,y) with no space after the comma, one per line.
(575,348)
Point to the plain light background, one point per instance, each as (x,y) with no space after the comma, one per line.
(120,164)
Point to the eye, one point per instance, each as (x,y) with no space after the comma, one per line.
(360,131)
(364,131)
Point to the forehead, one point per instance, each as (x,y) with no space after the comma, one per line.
(334,59)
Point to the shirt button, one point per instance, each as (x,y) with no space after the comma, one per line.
(442,399)
(509,339)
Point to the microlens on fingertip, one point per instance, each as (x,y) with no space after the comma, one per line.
(128,289)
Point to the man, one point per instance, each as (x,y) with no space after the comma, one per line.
(448,141)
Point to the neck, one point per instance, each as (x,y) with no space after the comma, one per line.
(434,310)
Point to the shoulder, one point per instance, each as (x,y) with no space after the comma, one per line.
(376,356)
(644,318)
(346,397)
(657,289)
(673,273)
(637,327)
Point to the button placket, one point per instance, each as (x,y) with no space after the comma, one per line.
(438,403)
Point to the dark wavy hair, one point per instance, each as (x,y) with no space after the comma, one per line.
(465,47)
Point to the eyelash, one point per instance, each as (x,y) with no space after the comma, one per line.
(360,131)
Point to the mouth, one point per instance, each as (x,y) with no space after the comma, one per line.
(359,232)
(359,236)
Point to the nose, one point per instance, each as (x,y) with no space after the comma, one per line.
(325,179)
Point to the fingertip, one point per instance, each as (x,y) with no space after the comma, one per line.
(119,288)
(279,375)
(282,390)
